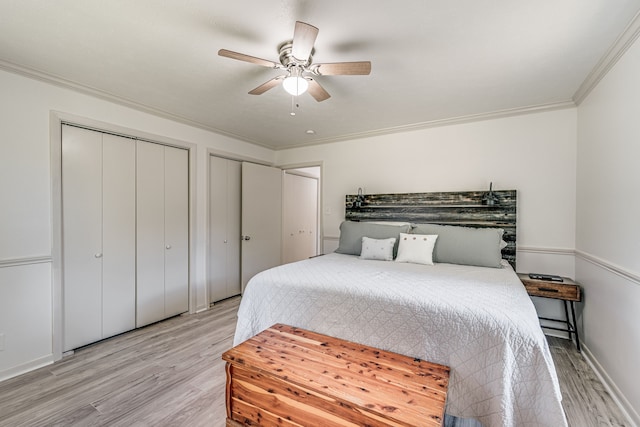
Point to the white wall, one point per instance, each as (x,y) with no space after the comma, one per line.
(608,229)
(26,205)
(534,154)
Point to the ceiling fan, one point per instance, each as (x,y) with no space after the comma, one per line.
(296,59)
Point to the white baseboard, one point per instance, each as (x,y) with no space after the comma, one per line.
(633,418)
(26,367)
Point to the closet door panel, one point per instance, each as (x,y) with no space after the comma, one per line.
(218,241)
(118,235)
(234,216)
(310,216)
(150,233)
(82,236)
(261,219)
(176,186)
(289,218)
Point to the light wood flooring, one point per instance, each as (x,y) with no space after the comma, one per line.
(171,374)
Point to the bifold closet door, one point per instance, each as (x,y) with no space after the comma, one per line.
(224,228)
(300,217)
(118,235)
(162,232)
(98,203)
(176,231)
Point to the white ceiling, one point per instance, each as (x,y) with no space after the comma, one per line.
(432,61)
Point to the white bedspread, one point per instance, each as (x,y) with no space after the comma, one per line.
(479,321)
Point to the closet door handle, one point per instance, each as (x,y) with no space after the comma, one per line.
(98,255)
(245,237)
(168,246)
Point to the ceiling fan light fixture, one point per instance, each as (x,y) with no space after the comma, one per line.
(294,83)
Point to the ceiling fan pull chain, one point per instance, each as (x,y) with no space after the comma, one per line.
(292,113)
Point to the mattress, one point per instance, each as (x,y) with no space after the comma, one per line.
(479,321)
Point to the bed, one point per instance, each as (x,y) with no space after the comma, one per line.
(477,319)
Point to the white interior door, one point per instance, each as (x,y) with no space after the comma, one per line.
(99,237)
(234,230)
(218,240)
(150,233)
(176,231)
(118,235)
(82,236)
(300,217)
(224,228)
(261,219)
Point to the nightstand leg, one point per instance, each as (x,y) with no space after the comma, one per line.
(575,325)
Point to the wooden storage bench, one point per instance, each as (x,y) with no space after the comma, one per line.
(288,376)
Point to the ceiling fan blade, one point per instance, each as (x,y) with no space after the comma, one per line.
(266,86)
(304,36)
(317,91)
(361,68)
(247,58)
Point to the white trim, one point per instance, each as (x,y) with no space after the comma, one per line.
(472,118)
(26,367)
(101,94)
(615,269)
(548,251)
(58,81)
(625,406)
(617,50)
(14,262)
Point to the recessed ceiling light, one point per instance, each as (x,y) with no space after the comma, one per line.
(311,132)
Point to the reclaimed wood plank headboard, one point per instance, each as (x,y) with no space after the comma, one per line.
(465,208)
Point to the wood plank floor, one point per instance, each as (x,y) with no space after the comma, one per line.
(171,374)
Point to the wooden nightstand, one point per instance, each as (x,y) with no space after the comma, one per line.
(567,291)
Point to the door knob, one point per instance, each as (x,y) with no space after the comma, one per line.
(168,246)
(98,255)
(245,237)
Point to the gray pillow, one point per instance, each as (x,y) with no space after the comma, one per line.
(465,245)
(351,234)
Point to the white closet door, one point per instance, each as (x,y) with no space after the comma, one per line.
(118,235)
(234,218)
(224,228)
(176,231)
(150,233)
(261,219)
(218,240)
(300,217)
(289,218)
(82,236)
(309,220)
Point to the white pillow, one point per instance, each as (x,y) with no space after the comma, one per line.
(378,249)
(416,248)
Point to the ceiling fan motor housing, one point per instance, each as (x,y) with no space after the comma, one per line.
(287,59)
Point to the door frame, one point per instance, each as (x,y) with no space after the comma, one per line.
(56,120)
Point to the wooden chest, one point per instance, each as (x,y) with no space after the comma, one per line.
(288,376)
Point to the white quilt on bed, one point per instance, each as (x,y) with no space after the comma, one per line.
(479,321)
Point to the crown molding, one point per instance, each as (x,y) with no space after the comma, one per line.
(116,99)
(107,96)
(471,118)
(617,50)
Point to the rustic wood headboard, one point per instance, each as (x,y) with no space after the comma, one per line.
(466,208)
